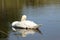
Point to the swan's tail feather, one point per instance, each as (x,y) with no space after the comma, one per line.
(40,25)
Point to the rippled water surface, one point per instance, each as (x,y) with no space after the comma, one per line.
(48,15)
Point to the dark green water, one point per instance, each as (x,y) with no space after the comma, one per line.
(48,15)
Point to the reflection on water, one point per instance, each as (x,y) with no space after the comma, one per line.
(25,32)
(37,11)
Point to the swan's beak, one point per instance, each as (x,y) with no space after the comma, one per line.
(13,29)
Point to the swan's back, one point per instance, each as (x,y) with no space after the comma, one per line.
(28,24)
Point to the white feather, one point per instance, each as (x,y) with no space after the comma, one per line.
(25,23)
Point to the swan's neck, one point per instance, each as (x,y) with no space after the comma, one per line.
(23,18)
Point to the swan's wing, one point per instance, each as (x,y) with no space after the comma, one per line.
(30,24)
(23,18)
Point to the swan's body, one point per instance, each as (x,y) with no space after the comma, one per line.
(25,23)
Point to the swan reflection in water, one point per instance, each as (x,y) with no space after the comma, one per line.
(25,32)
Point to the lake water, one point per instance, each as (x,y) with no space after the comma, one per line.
(48,15)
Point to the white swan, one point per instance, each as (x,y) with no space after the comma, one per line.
(24,23)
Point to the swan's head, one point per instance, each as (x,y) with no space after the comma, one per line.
(23,17)
(14,24)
